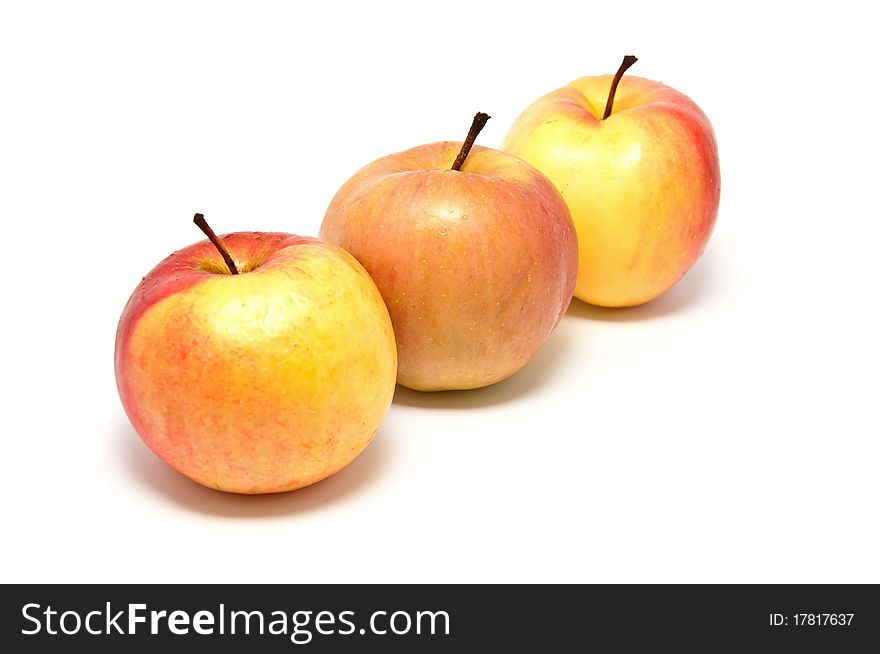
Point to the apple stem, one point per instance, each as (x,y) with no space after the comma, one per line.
(199,220)
(479,123)
(628,61)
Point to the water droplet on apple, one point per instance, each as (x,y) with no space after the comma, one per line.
(442,231)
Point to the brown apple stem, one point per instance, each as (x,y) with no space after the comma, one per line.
(199,220)
(628,61)
(479,123)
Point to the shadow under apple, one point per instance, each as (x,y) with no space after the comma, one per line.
(157,477)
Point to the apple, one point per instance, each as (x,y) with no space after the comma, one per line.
(640,177)
(262,381)
(473,250)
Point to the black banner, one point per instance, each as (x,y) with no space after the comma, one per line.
(440,618)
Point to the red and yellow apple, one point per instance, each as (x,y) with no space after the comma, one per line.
(475,260)
(258,382)
(642,184)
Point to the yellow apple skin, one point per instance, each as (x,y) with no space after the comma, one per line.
(642,185)
(476,266)
(260,382)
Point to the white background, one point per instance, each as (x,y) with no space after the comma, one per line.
(727,432)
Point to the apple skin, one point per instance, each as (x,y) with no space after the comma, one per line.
(643,185)
(260,382)
(476,266)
